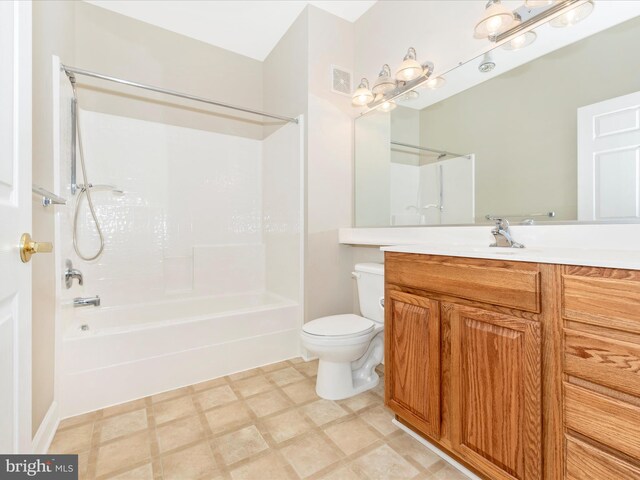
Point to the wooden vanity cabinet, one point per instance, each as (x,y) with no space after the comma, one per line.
(518,370)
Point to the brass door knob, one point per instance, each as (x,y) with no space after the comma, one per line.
(28,247)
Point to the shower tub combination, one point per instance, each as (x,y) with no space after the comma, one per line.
(201,274)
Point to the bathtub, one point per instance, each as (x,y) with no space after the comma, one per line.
(116,354)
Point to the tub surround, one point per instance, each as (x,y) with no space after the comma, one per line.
(596,245)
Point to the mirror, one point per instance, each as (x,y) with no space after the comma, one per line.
(556,138)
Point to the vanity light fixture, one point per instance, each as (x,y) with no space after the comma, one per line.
(362,95)
(573,16)
(384,83)
(496,19)
(519,34)
(409,69)
(522,40)
(410,95)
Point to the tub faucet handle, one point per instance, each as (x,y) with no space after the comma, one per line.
(70,273)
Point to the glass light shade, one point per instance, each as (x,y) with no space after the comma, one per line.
(434,83)
(362,95)
(411,95)
(409,69)
(387,106)
(538,3)
(496,19)
(384,83)
(520,41)
(573,16)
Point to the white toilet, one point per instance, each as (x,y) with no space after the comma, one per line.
(349,346)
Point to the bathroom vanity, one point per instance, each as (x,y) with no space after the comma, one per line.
(517,369)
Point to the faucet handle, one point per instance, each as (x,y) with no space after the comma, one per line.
(501,222)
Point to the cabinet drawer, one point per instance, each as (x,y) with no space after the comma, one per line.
(496,282)
(607,420)
(605,361)
(599,297)
(586,462)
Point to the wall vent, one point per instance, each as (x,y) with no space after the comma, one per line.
(340,80)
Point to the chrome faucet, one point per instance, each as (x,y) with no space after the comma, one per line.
(70,273)
(86,301)
(502,234)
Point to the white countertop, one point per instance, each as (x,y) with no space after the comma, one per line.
(629,259)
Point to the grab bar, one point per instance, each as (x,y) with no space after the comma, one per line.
(48,198)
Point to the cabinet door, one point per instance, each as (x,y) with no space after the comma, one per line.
(496,394)
(412,356)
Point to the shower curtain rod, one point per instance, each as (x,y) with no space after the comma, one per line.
(72,70)
(432,150)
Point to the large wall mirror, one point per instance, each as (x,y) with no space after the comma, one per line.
(556,138)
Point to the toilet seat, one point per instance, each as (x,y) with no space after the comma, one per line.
(339,327)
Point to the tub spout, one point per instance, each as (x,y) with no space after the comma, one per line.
(86,301)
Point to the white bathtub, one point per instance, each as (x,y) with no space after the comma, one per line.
(116,354)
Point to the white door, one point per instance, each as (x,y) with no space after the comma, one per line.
(609,159)
(15,219)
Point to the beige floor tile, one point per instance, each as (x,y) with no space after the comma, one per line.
(178,392)
(383,463)
(253,385)
(342,473)
(239,445)
(301,392)
(245,374)
(123,452)
(380,419)
(124,424)
(267,403)
(215,382)
(410,447)
(179,433)
(274,366)
(351,436)
(144,472)
(79,420)
(296,360)
(378,389)
(124,408)
(72,440)
(215,397)
(173,409)
(449,473)
(309,455)
(323,411)
(364,400)
(191,463)
(223,418)
(308,368)
(268,467)
(285,376)
(286,425)
(83,463)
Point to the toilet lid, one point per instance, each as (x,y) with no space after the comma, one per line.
(348,325)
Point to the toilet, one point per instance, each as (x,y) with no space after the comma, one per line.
(350,347)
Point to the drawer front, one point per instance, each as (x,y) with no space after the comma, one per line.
(496,282)
(606,420)
(586,462)
(608,362)
(602,299)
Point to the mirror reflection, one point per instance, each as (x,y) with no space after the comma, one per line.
(554,139)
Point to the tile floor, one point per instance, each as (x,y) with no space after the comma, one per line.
(262,424)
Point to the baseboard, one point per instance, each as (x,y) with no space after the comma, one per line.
(47,430)
(437,451)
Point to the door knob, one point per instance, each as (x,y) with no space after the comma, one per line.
(28,247)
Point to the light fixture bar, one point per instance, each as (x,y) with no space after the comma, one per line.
(401,89)
(553,11)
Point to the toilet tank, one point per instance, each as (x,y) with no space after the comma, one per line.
(370,278)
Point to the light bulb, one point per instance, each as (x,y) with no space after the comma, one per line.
(362,95)
(387,106)
(434,83)
(573,16)
(384,83)
(410,69)
(496,19)
(522,40)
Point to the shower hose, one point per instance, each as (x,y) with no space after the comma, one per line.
(85,191)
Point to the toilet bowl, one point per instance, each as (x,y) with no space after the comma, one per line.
(349,347)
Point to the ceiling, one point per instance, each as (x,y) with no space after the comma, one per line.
(250,28)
